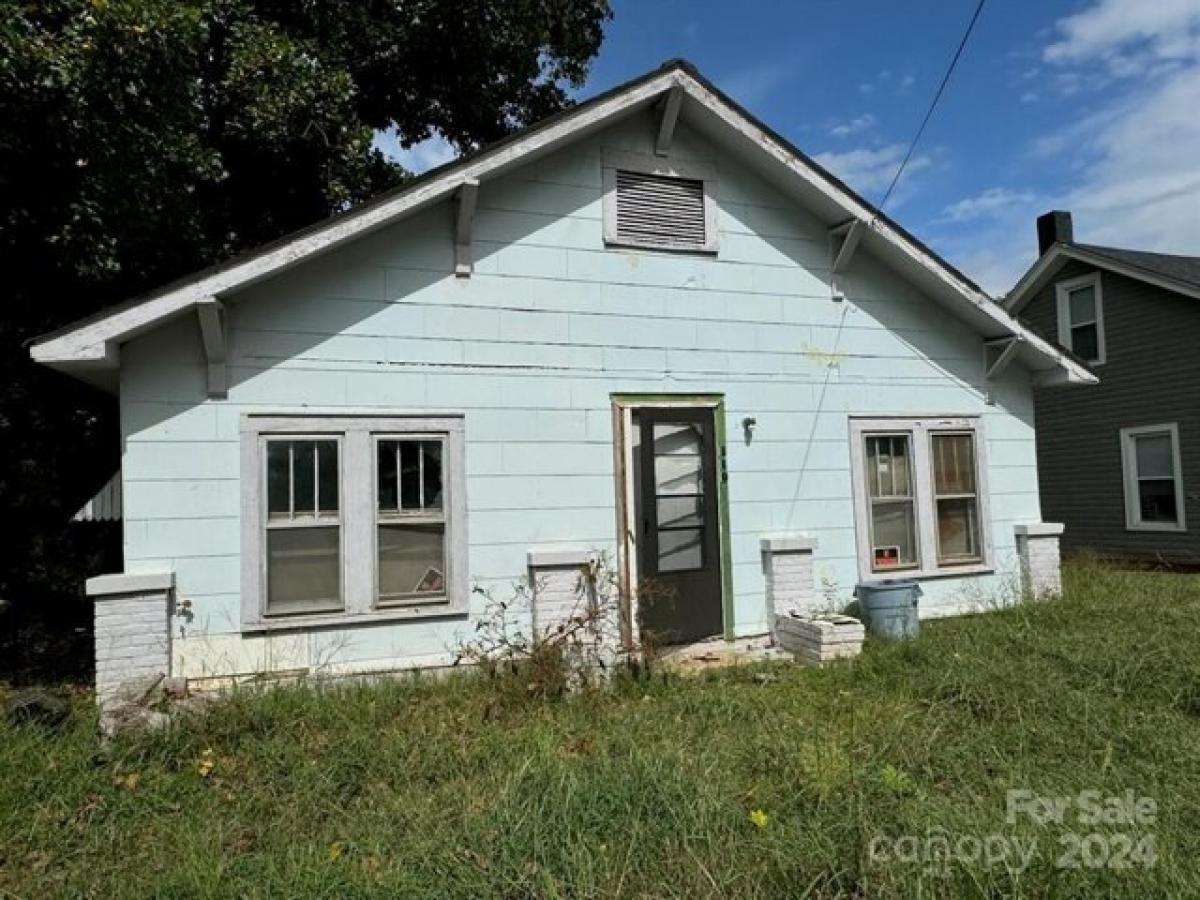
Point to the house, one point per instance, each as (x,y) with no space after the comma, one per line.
(647,328)
(1115,460)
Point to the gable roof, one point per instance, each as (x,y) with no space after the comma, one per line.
(1175,273)
(92,345)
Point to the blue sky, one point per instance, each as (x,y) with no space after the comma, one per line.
(1092,106)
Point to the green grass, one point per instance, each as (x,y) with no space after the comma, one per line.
(449,788)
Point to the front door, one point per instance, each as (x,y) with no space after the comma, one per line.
(679,557)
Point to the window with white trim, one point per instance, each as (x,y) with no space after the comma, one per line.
(348,517)
(1081,317)
(659,204)
(1153,480)
(920,497)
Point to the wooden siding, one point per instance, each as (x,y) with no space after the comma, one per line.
(1148,378)
(530,348)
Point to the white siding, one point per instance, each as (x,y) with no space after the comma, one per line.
(530,348)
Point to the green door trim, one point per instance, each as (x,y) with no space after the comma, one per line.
(716,402)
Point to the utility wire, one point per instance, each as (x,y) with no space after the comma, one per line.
(932,106)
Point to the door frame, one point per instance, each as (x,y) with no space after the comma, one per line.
(623,406)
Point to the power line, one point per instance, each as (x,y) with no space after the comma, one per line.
(932,106)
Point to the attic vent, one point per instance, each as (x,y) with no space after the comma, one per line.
(660,211)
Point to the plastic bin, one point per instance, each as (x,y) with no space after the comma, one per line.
(889,608)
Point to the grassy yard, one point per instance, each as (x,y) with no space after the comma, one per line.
(772,782)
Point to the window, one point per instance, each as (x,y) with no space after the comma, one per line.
(303,527)
(655,204)
(411,523)
(1153,482)
(348,517)
(921,506)
(1081,317)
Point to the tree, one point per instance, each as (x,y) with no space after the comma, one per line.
(144,139)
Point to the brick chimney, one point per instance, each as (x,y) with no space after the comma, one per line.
(1054,227)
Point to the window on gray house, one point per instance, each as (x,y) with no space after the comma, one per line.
(1081,317)
(1153,478)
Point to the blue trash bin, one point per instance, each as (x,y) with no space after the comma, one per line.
(889,608)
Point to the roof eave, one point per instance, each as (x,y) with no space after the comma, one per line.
(94,343)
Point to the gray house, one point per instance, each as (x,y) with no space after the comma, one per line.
(1118,463)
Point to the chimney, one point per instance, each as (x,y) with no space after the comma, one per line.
(1054,227)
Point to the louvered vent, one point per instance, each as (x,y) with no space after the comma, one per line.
(660,210)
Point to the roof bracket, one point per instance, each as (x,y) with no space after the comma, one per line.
(214,335)
(853,232)
(850,233)
(998,353)
(468,194)
(666,123)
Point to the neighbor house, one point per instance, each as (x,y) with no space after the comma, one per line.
(647,330)
(1115,460)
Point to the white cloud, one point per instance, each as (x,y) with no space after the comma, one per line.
(853,126)
(986,204)
(1139,179)
(1117,31)
(420,157)
(1130,156)
(870,170)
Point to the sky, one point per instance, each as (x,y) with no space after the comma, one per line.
(1091,106)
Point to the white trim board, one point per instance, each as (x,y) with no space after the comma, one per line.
(93,344)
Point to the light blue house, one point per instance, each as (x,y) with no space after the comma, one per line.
(648,328)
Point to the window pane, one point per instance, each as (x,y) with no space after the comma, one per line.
(888,465)
(958,530)
(1084,342)
(680,550)
(411,560)
(893,535)
(327,479)
(1154,456)
(410,484)
(303,569)
(679,512)
(677,439)
(1156,499)
(388,498)
(433,473)
(278,496)
(953,464)
(677,475)
(1083,305)
(304,477)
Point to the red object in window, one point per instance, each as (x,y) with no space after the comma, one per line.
(887,557)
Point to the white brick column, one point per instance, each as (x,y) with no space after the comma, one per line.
(133,635)
(1038,556)
(557,585)
(561,591)
(788,565)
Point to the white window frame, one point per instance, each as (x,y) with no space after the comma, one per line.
(920,430)
(1130,478)
(693,170)
(1063,292)
(358,511)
